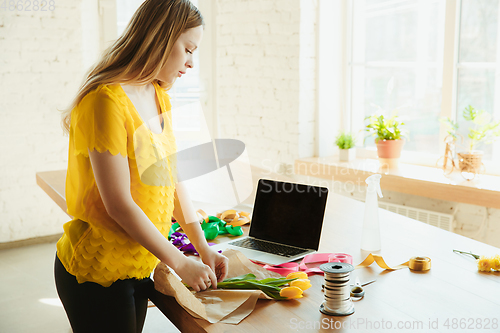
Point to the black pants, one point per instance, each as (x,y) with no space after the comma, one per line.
(92,308)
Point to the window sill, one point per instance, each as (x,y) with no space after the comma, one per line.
(483,190)
(424,159)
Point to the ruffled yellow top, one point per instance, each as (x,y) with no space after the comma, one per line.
(94,247)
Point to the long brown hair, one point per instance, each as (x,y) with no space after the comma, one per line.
(141,51)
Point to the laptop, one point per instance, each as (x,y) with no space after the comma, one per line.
(286,223)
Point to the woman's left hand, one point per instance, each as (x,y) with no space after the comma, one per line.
(217,262)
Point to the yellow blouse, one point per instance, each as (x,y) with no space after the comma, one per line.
(94,247)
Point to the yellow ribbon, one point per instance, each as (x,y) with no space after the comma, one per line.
(234,218)
(415,263)
(230,216)
(203,215)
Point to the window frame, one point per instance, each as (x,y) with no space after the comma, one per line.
(205,63)
(449,87)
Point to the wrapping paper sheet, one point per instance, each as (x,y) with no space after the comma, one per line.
(221,305)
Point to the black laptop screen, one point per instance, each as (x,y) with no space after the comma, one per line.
(289,213)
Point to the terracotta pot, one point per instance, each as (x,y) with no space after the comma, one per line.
(389,148)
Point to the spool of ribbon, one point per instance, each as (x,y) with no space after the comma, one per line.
(336,285)
(340,257)
(420,263)
(415,263)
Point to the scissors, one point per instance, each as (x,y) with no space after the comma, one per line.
(357,291)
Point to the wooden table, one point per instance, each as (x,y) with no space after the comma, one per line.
(452,297)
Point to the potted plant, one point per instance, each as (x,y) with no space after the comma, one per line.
(389,137)
(482,130)
(346,143)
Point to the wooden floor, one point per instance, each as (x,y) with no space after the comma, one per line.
(29,301)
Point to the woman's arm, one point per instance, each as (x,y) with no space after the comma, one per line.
(185,215)
(112,177)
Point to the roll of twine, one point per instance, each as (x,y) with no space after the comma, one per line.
(337,294)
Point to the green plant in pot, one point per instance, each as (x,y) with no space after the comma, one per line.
(482,130)
(389,135)
(346,142)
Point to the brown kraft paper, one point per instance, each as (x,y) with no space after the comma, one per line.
(220,305)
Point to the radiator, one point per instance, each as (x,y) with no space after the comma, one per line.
(440,220)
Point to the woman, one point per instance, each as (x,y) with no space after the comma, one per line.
(120,186)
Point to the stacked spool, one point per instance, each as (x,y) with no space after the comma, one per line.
(337,294)
(340,257)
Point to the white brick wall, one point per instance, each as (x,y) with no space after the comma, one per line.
(40,70)
(258,47)
(307,97)
(266,93)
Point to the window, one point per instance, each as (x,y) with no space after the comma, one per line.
(398,60)
(186,89)
(187,114)
(478,58)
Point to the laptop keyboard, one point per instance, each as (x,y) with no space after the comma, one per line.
(259,245)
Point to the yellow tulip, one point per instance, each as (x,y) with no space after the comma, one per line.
(496,262)
(291,292)
(298,275)
(303,284)
(484,264)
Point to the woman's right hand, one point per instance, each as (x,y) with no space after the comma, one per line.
(196,274)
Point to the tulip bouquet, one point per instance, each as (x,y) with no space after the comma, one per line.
(298,285)
(298,282)
(270,286)
(485,264)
